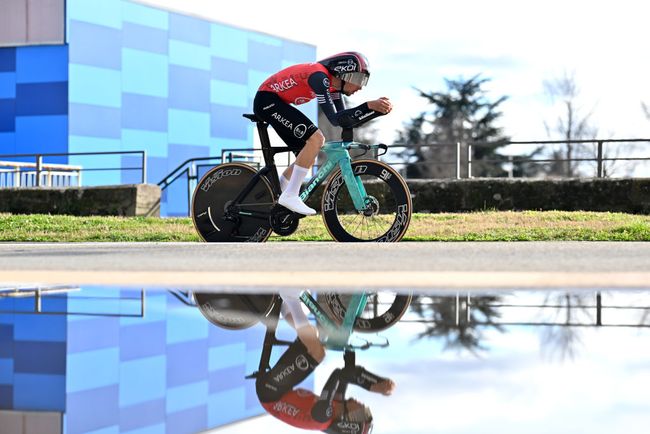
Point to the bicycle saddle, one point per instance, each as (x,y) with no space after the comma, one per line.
(253,117)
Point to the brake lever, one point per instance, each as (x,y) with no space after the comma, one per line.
(383,148)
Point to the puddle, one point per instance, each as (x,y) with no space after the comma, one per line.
(113,360)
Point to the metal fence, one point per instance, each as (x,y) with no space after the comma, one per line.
(17,174)
(18,171)
(461,156)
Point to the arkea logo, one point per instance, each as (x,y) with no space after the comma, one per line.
(283,85)
(288,409)
(286,122)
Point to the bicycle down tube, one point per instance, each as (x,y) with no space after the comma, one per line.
(337,153)
(338,336)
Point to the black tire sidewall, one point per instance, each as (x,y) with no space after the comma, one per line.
(396,184)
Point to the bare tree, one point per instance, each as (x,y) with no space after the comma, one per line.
(571,124)
(646,110)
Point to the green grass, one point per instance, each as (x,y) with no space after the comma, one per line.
(477,226)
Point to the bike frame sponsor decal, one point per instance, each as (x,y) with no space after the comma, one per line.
(317,179)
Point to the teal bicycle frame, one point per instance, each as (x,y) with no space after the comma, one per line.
(337,154)
(338,336)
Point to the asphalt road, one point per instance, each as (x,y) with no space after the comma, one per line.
(453,266)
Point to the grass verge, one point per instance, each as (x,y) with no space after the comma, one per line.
(478,226)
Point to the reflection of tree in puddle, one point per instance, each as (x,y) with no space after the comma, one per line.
(562,317)
(561,338)
(461,322)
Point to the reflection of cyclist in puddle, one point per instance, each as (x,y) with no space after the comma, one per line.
(302,408)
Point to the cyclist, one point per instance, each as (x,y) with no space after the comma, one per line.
(301,408)
(344,73)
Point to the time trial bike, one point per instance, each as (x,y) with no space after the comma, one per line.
(363,200)
(337,315)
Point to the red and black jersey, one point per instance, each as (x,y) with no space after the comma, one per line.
(294,408)
(292,83)
(302,83)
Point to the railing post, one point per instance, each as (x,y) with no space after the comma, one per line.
(600,159)
(39,164)
(457,160)
(189,171)
(511,167)
(144,167)
(469,160)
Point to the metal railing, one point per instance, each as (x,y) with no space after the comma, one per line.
(588,310)
(133,307)
(17,174)
(463,155)
(24,173)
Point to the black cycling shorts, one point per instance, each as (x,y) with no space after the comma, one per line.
(290,123)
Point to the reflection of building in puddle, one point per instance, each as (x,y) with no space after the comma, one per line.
(121,360)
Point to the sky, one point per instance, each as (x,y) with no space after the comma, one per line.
(516,44)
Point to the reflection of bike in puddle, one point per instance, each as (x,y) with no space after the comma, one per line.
(338,315)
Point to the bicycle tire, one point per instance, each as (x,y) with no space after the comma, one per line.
(216,189)
(392,200)
(233,311)
(368,322)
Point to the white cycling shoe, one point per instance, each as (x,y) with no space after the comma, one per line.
(293,203)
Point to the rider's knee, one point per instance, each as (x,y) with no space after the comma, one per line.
(317,139)
(318,353)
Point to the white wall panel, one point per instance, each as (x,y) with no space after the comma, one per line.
(13,22)
(31,22)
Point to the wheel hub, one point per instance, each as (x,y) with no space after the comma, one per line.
(372,207)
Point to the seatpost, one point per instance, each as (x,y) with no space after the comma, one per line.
(269,337)
(262,130)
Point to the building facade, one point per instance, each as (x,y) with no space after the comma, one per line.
(131,77)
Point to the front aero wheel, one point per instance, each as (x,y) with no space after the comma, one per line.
(388,216)
(383,309)
(215,220)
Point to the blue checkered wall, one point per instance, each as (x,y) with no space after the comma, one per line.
(34,101)
(170,371)
(132,78)
(173,85)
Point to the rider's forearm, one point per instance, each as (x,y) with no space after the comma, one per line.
(322,410)
(362,378)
